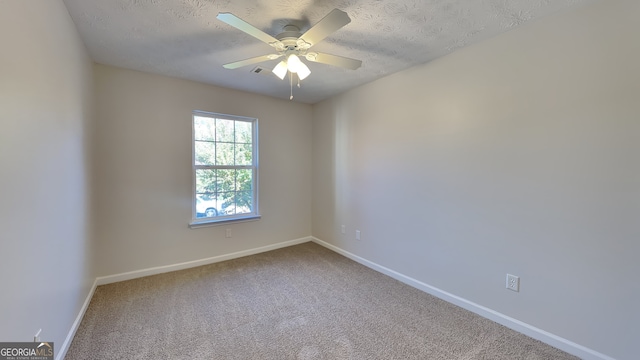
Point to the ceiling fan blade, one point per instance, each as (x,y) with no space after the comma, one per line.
(330,23)
(335,60)
(244,26)
(255,60)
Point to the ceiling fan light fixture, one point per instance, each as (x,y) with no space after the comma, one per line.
(280,70)
(290,44)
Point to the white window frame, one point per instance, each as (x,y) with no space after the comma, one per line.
(218,220)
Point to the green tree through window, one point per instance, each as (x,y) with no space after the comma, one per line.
(225,167)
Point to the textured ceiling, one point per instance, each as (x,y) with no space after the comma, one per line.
(183,38)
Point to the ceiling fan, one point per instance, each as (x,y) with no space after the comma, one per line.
(292,45)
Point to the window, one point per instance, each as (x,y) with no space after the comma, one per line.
(225,168)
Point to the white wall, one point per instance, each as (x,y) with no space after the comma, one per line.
(143,173)
(519,155)
(45,123)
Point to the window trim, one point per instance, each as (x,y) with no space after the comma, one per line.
(214,221)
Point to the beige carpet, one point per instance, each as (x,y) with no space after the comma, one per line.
(300,302)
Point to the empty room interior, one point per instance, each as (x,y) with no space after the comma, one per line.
(441,145)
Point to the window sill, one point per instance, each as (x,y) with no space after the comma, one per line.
(208,223)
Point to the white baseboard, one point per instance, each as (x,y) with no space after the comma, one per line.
(102,280)
(514,324)
(62,351)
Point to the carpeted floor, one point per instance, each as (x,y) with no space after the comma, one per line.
(300,302)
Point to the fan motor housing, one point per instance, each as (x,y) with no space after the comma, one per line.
(290,31)
(289,37)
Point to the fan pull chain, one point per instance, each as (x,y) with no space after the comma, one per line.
(291,85)
(298,81)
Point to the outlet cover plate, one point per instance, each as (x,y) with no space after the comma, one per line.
(513,283)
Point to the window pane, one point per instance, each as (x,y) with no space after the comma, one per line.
(204,128)
(225,154)
(205,153)
(244,180)
(205,181)
(225,200)
(225,130)
(243,132)
(230,209)
(243,154)
(244,202)
(227,181)
(206,206)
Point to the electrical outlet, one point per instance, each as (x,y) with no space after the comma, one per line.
(513,282)
(357,234)
(228,233)
(343,229)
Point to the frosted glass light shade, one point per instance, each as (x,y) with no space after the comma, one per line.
(293,63)
(280,70)
(303,71)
